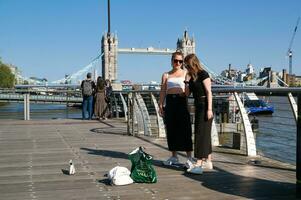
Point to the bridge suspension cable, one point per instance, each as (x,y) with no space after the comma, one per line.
(217,78)
(78,76)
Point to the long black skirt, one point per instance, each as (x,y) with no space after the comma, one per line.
(178,125)
(202,131)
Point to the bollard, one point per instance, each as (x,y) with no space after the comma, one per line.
(298,149)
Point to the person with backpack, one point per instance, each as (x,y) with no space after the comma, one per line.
(88,87)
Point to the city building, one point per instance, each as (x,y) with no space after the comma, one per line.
(251,74)
(291,79)
(264,72)
(37,81)
(17,73)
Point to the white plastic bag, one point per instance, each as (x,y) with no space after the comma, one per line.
(120,176)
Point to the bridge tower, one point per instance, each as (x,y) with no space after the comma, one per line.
(109,49)
(186,44)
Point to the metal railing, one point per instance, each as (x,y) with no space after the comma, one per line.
(49,96)
(251,135)
(29,96)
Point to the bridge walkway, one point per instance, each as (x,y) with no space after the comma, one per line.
(34,155)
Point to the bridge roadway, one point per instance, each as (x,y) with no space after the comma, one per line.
(33,155)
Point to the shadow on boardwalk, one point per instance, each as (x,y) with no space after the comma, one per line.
(247,187)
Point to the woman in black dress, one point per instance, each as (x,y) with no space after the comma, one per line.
(198,82)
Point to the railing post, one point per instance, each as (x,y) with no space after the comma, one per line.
(67,98)
(293,105)
(26,107)
(129,114)
(249,135)
(160,121)
(144,114)
(116,107)
(298,150)
(125,108)
(133,114)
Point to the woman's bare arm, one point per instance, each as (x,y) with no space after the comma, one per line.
(207,85)
(162,93)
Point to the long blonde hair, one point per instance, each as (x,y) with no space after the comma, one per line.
(193,65)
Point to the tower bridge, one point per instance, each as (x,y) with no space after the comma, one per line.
(107,62)
(109,57)
(110,51)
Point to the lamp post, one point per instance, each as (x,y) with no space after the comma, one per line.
(109,39)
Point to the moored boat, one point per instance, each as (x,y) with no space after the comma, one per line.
(254,105)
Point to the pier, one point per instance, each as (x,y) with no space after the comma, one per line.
(34,155)
(254,157)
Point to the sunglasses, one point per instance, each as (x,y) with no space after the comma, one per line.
(178,61)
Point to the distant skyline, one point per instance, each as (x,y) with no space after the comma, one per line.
(57,37)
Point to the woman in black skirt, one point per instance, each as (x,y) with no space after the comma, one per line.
(175,112)
(198,82)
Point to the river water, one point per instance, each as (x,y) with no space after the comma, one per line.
(276,136)
(39,111)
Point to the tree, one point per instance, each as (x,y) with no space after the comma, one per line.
(7,78)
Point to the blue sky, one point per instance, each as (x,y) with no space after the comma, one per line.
(51,38)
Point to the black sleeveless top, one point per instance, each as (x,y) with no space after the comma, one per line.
(197,87)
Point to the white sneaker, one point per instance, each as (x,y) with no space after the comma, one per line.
(171,161)
(207,165)
(189,163)
(195,170)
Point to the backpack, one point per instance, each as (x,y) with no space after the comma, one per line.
(87,88)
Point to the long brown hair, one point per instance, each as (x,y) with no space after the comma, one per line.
(193,65)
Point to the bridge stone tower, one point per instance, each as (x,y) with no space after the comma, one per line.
(186,45)
(109,49)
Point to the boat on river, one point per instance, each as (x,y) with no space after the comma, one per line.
(255,105)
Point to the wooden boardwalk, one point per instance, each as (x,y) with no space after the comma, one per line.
(33,155)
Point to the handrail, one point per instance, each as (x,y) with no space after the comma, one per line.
(160,121)
(249,135)
(125,108)
(260,90)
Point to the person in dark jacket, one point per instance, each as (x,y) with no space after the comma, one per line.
(87,87)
